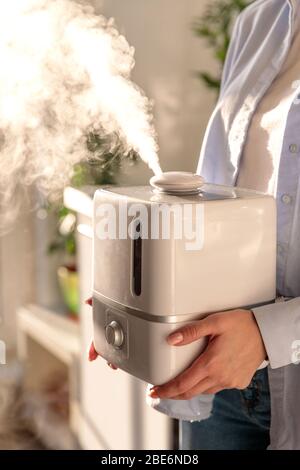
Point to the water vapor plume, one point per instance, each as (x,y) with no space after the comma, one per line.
(65,72)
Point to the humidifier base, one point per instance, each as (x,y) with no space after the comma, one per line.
(138,345)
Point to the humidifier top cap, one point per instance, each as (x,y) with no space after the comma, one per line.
(177,182)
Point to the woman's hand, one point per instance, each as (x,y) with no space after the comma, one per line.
(234,352)
(92,351)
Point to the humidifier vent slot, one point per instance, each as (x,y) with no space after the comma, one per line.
(137,260)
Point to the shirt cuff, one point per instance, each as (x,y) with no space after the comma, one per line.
(279,324)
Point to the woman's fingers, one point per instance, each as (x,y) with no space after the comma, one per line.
(188,334)
(183,382)
(93,355)
(92,352)
(213,390)
(202,387)
(112,366)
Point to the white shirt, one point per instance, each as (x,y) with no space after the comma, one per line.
(261,154)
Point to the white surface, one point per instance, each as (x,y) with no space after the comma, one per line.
(79,200)
(58,334)
(235,267)
(17,274)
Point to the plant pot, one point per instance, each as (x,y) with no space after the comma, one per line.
(68,280)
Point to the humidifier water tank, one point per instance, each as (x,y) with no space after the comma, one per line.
(166,256)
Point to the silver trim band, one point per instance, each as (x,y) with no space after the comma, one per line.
(162,318)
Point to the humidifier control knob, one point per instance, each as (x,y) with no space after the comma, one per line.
(114,334)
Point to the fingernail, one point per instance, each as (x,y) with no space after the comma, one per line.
(153,393)
(89,302)
(92,356)
(175,338)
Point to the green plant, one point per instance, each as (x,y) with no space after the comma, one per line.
(215,27)
(64,240)
(106,156)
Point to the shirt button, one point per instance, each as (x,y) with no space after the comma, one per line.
(293,148)
(286,199)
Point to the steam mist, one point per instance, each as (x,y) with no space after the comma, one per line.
(64,72)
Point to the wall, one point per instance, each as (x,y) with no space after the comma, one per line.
(16,275)
(167,55)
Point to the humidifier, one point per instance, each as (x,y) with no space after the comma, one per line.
(171,253)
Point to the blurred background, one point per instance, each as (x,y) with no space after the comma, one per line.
(51,397)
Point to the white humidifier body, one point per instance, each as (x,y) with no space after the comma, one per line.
(165,257)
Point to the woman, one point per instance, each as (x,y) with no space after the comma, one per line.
(252,140)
